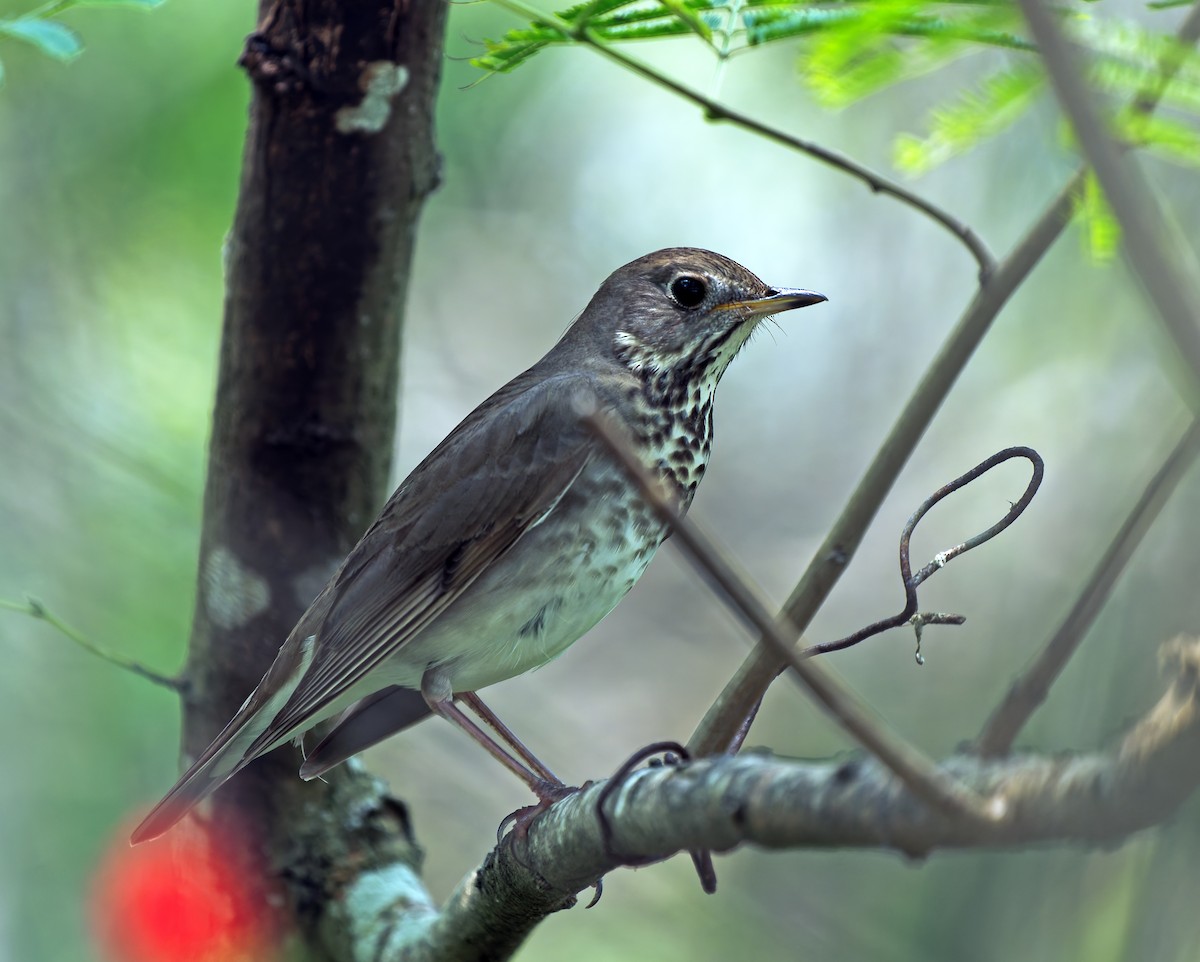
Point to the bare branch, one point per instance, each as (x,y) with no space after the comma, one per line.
(713,110)
(35,609)
(1178,304)
(728,714)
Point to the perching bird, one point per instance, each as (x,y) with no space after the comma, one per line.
(514,536)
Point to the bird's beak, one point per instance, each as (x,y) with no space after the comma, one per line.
(780,299)
(783,299)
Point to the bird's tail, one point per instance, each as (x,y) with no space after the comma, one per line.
(219,762)
(238,744)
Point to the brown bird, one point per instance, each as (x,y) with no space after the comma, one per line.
(514,536)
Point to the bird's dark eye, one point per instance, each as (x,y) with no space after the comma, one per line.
(688,291)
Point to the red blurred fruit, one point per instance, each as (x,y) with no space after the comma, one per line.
(181,898)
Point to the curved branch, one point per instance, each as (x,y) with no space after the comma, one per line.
(943,558)
(713,110)
(727,716)
(908,763)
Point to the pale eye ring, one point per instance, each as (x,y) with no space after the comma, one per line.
(689,291)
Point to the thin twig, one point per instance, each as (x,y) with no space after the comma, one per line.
(913,581)
(912,767)
(1029,690)
(35,609)
(713,110)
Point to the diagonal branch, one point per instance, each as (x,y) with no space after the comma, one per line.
(1167,280)
(720,725)
(1027,693)
(716,111)
(907,762)
(1179,306)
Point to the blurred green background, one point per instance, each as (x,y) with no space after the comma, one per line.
(118,177)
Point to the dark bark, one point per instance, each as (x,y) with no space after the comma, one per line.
(339,159)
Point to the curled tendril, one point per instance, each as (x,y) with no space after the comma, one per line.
(911,581)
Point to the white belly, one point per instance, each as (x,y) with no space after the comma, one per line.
(551,588)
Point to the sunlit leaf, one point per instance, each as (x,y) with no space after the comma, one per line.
(868,46)
(1101,232)
(1128,80)
(49,36)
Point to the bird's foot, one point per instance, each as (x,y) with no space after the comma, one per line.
(672,754)
(547,793)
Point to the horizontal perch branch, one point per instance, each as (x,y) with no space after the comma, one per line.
(722,802)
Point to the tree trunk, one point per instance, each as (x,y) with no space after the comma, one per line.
(338,162)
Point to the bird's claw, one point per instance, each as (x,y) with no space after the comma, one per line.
(547,794)
(672,754)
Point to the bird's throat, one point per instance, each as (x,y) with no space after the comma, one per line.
(674,402)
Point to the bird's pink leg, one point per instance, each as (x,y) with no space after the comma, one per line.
(436,689)
(475,703)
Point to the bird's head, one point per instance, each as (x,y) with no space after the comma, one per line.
(684,312)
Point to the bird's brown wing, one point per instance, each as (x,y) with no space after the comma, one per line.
(459,513)
(496,476)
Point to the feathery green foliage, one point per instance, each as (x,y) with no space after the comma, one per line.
(973,116)
(608,20)
(851,49)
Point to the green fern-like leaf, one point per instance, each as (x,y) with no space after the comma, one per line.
(607,20)
(1128,81)
(854,48)
(886,41)
(1172,139)
(778,23)
(973,117)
